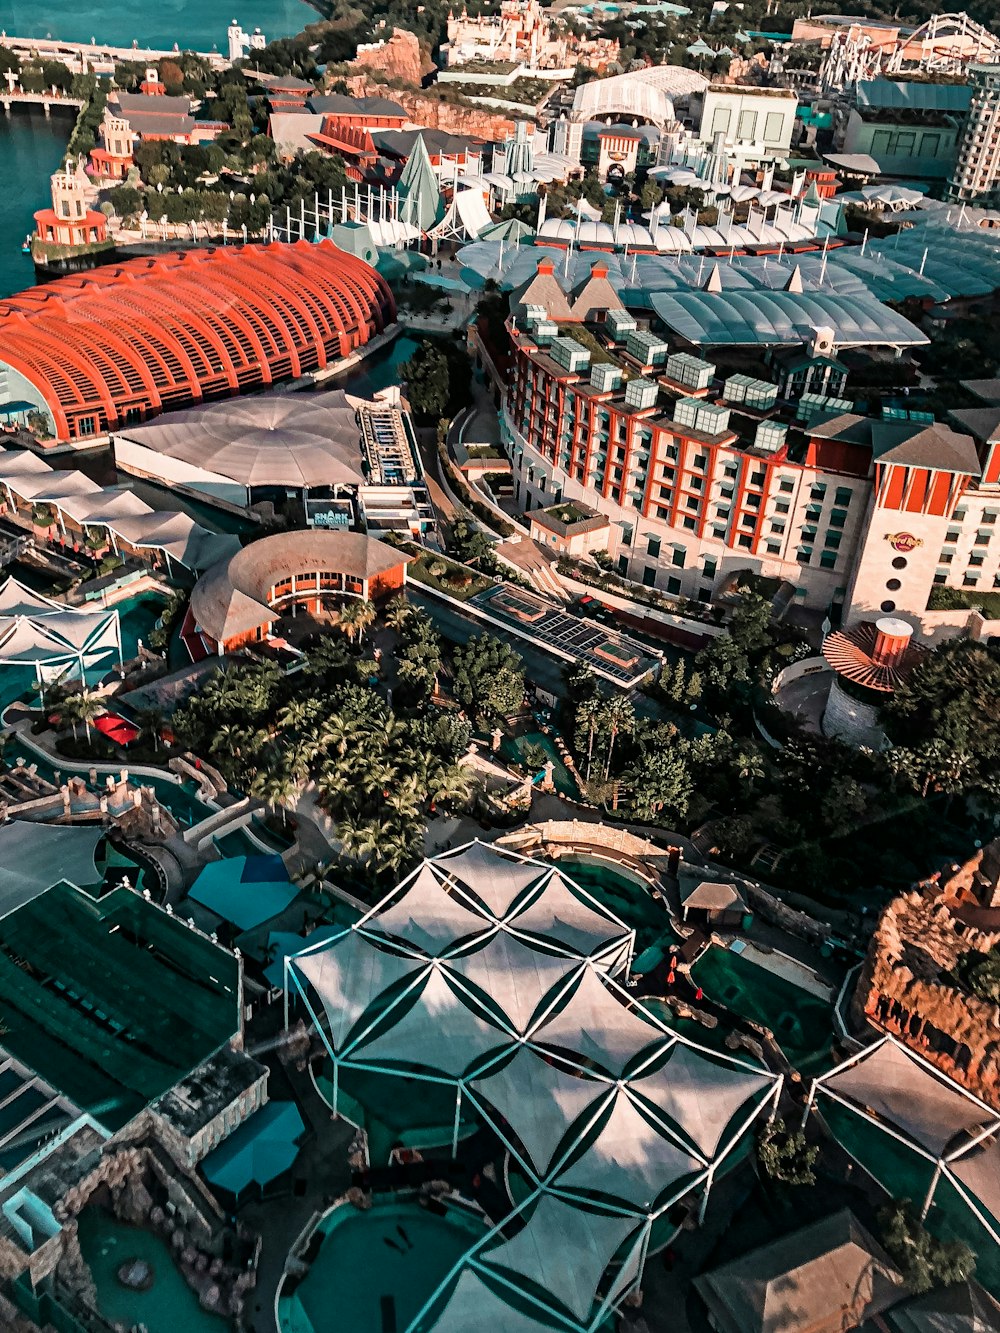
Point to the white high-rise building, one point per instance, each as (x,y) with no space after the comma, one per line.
(976,177)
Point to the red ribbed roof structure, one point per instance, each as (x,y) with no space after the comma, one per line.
(131,340)
(876,654)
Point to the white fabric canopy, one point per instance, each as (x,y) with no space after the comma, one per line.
(889,1084)
(515,976)
(629,1161)
(979,1172)
(596,1025)
(348,974)
(564,1250)
(439,1031)
(33,857)
(538,1101)
(427,916)
(496,879)
(476,1308)
(697,1094)
(558,915)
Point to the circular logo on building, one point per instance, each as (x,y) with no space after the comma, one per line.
(903,541)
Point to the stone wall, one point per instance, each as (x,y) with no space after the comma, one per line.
(401,57)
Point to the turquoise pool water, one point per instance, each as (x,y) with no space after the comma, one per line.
(375,1270)
(513,747)
(170,1306)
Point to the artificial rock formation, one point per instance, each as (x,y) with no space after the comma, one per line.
(907,986)
(434,113)
(401,57)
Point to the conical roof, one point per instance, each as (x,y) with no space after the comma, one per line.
(418,190)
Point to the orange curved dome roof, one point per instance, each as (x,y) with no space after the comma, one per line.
(131,340)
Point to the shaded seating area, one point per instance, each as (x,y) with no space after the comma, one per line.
(244,890)
(263,1148)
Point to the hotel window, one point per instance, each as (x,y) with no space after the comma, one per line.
(941,576)
(832,540)
(722,511)
(777,527)
(690,524)
(838,517)
(970,581)
(786,485)
(808,532)
(828,560)
(730,470)
(960,515)
(952,535)
(623,565)
(679,556)
(748,125)
(700,461)
(649,576)
(842,496)
(814,513)
(976,559)
(696,483)
(653,547)
(672,452)
(781,507)
(753,501)
(996,580)
(711,566)
(745,542)
(720,533)
(673,586)
(818,492)
(773,548)
(774,125)
(692,502)
(947,557)
(983,538)
(727,491)
(756,478)
(989,515)
(748,521)
(804,554)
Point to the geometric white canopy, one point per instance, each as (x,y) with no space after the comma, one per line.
(562,1249)
(539,1101)
(489,971)
(35,631)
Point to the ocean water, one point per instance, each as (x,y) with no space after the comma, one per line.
(197,25)
(31,148)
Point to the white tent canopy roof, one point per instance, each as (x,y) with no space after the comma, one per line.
(427,916)
(349,974)
(495,878)
(889,1084)
(540,1101)
(439,1031)
(476,1308)
(595,1024)
(33,857)
(564,1250)
(630,1161)
(561,915)
(699,1094)
(515,976)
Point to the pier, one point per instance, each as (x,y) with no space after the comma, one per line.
(99,57)
(45,100)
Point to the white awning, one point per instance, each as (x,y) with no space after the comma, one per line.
(496,878)
(476,1308)
(426,916)
(560,915)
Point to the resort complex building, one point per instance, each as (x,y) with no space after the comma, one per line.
(239,600)
(188,326)
(710,425)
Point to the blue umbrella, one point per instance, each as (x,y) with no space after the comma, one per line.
(257,1152)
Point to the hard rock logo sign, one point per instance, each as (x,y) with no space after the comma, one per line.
(903,541)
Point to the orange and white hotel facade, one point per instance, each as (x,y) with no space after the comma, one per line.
(861,515)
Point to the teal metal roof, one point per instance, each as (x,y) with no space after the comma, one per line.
(774,319)
(246,890)
(887,94)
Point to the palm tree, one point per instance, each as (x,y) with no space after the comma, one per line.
(749,767)
(83,707)
(398,613)
(619,717)
(588,715)
(355,618)
(150,724)
(275,788)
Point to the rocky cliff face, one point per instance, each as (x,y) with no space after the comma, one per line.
(427,110)
(401,57)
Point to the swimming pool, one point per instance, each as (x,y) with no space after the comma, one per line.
(374,1270)
(168,1306)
